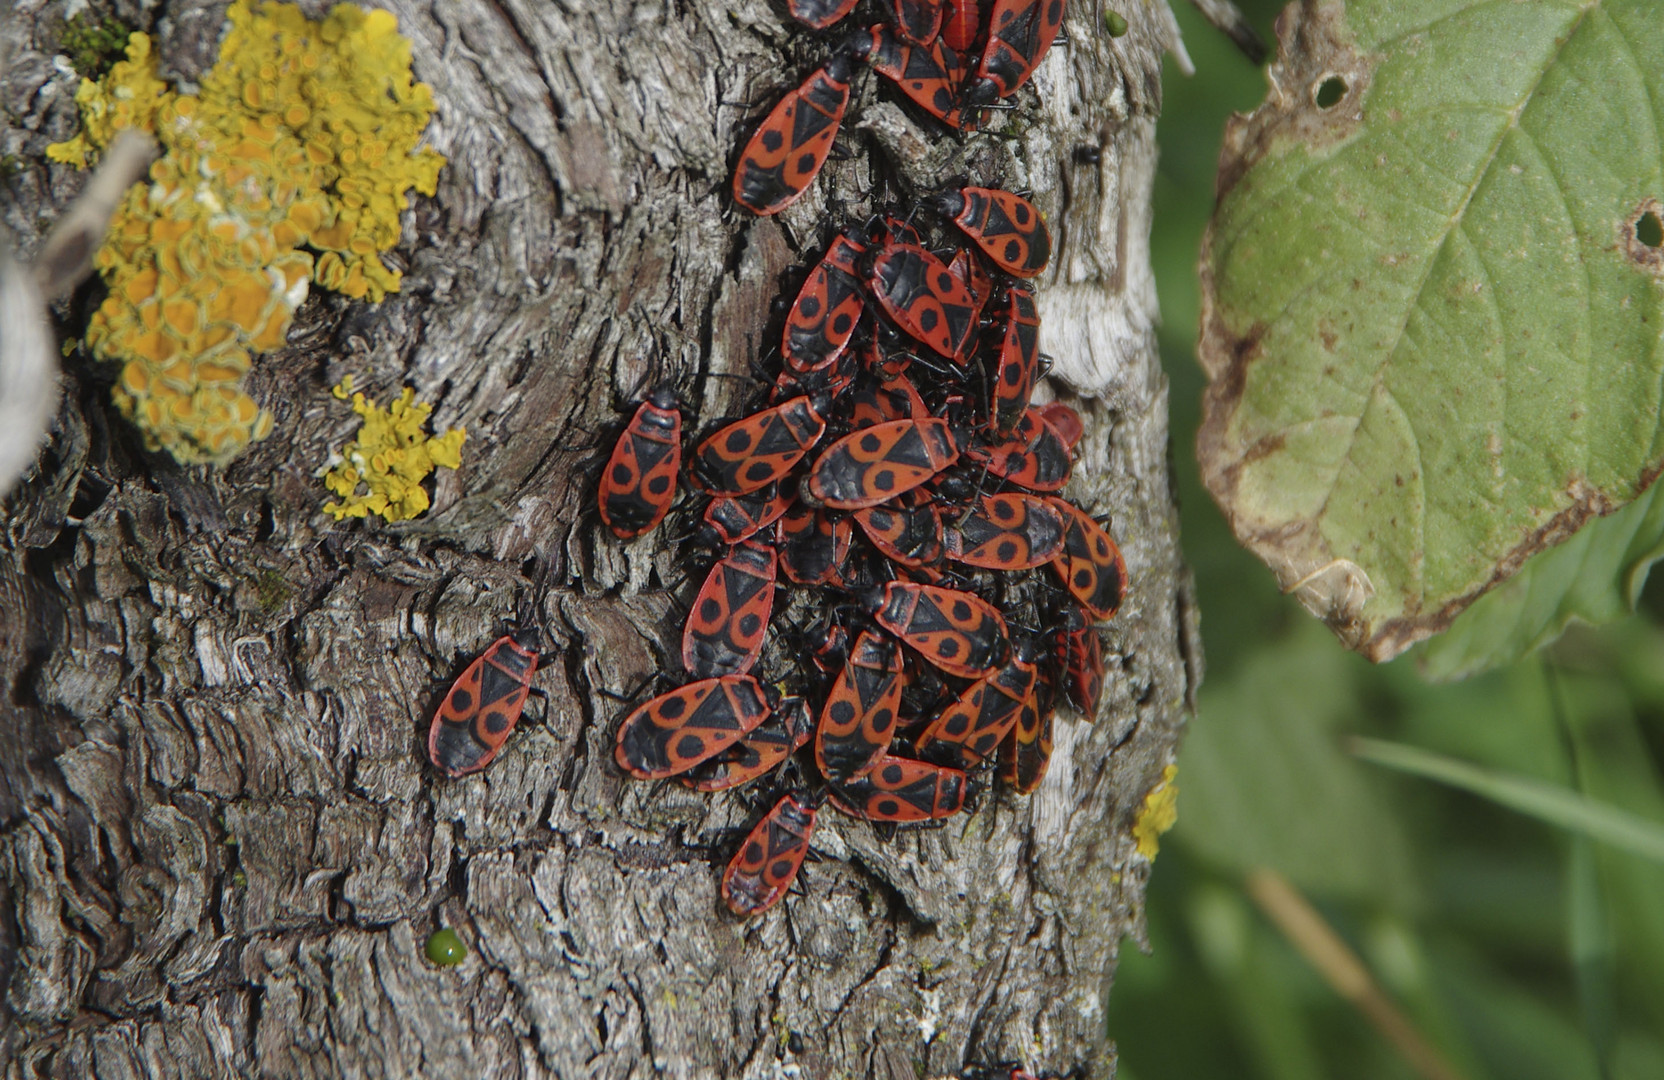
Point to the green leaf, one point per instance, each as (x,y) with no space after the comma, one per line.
(1594,577)
(1263,780)
(1432,313)
(1545,802)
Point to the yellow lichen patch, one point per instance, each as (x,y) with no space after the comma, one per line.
(1157,815)
(381,471)
(290,166)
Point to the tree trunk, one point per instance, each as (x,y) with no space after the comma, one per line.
(223,847)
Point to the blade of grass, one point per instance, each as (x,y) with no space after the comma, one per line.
(1590,944)
(1576,813)
(1341,968)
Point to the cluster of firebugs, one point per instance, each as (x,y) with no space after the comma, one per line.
(897,473)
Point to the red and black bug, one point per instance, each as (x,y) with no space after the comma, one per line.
(1019,33)
(827,310)
(752,453)
(902,790)
(819,14)
(919,21)
(1007,227)
(1035,456)
(970,730)
(766,747)
(484,704)
(788,148)
(732,518)
(1065,421)
(768,861)
(1090,565)
(959,632)
(725,629)
(925,298)
(961,24)
(813,545)
(823,385)
(1012,361)
(1027,749)
(930,75)
(859,717)
(880,403)
(676,731)
(639,482)
(1006,532)
(1081,659)
(877,463)
(911,536)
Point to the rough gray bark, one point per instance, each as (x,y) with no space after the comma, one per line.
(222,848)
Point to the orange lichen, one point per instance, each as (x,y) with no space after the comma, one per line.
(381,471)
(1157,815)
(301,141)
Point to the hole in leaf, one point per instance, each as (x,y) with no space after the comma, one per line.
(1649,229)
(1329,92)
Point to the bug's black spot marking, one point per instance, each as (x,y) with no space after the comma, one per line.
(461,700)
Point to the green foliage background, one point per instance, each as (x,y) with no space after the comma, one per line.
(1517,949)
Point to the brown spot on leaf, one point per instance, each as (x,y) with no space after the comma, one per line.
(1317,85)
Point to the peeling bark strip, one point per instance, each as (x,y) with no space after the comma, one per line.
(221,848)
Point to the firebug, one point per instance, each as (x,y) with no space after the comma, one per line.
(925,298)
(752,453)
(827,310)
(1007,227)
(768,861)
(877,463)
(484,704)
(970,730)
(1019,33)
(724,631)
(788,148)
(639,482)
(859,717)
(901,789)
(1011,531)
(959,632)
(1011,361)
(676,731)
(1090,565)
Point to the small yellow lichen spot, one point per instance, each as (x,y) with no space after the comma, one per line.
(381,471)
(1159,812)
(208,254)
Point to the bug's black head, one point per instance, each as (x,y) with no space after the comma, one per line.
(664,396)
